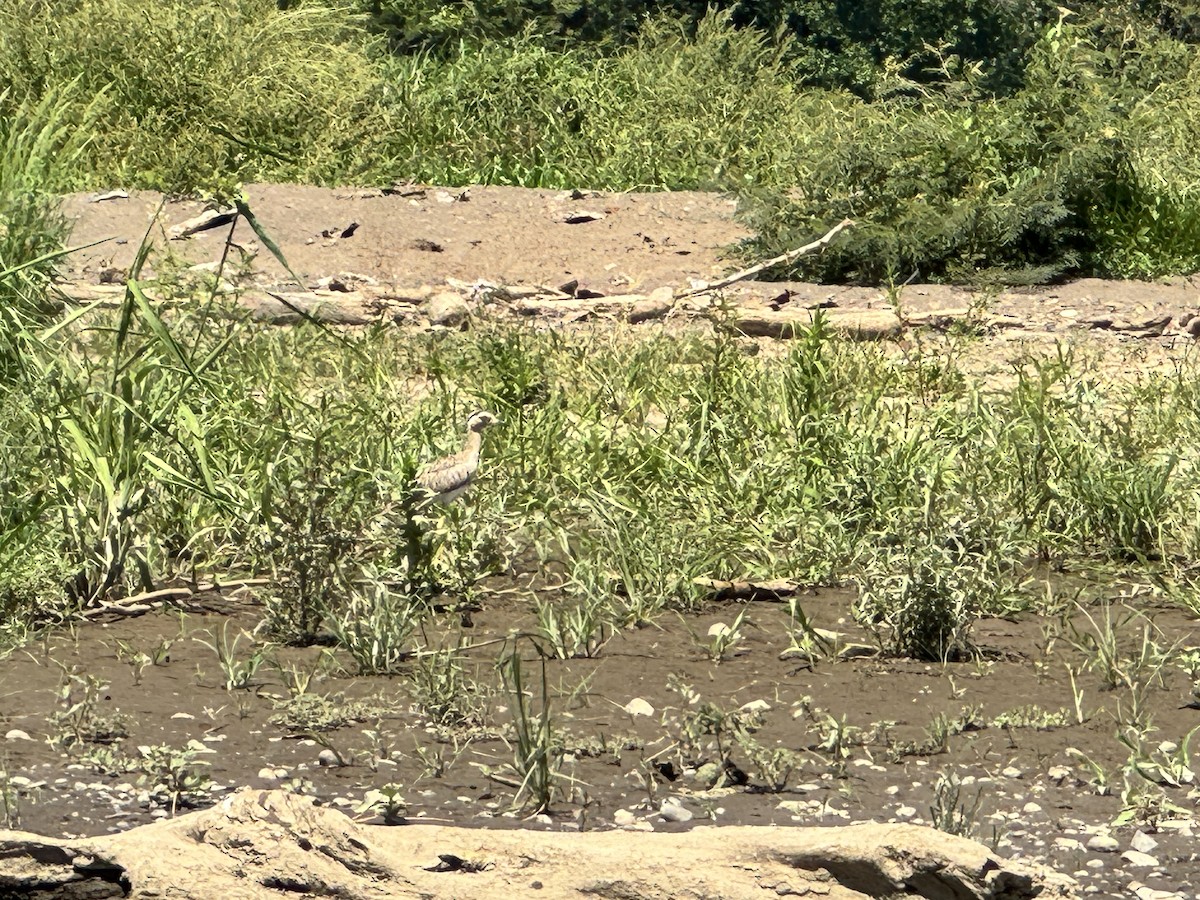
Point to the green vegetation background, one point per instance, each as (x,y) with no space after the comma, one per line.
(970,138)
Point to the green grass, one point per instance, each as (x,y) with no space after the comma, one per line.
(637,463)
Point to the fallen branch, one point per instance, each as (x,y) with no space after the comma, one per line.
(139,604)
(819,244)
(751,590)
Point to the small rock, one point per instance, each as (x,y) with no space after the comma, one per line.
(673,811)
(328,758)
(272,775)
(1145,892)
(1103,843)
(755,706)
(1142,842)
(1031,807)
(447,309)
(17,734)
(1136,858)
(624,818)
(639,707)
(905,812)
(1012,772)
(1058,774)
(182,715)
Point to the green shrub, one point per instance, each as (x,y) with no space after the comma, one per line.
(200,93)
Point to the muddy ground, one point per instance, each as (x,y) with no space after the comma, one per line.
(1034,797)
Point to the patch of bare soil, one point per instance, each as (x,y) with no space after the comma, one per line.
(863,730)
(430,257)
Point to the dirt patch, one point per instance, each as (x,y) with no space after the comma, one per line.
(426,235)
(861,731)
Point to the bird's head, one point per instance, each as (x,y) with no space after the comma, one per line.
(482,419)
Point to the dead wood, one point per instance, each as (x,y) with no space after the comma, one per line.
(777,589)
(783,258)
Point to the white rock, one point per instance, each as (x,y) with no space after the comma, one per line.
(905,812)
(1058,774)
(755,706)
(182,715)
(328,758)
(17,735)
(447,309)
(1142,842)
(1063,843)
(1145,892)
(1136,858)
(1031,807)
(1103,843)
(624,818)
(271,774)
(639,707)
(673,811)
(1012,772)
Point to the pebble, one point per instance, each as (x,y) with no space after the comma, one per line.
(1031,807)
(673,811)
(1058,774)
(905,812)
(624,818)
(17,734)
(1139,859)
(1145,892)
(1012,772)
(328,758)
(639,707)
(1103,843)
(1142,842)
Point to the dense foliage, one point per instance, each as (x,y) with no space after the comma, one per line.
(970,138)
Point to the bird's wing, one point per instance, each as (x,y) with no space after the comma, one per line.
(444,475)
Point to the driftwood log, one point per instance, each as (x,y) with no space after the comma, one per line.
(269,844)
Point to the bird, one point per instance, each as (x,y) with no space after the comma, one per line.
(445,480)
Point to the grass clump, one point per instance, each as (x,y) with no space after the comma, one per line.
(200,94)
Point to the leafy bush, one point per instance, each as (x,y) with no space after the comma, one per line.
(199,92)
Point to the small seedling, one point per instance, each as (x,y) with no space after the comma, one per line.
(385,802)
(949,812)
(238,674)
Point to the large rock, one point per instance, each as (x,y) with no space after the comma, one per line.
(262,844)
